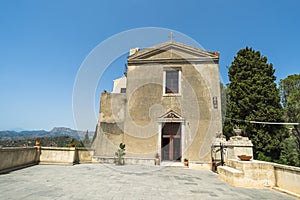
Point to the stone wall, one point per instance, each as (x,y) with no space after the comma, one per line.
(65,155)
(255,173)
(17,157)
(84,155)
(260,174)
(288,178)
(128,160)
(238,145)
(57,155)
(111,124)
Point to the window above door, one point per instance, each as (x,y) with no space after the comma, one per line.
(172,81)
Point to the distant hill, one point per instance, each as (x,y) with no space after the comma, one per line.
(55,132)
(61,141)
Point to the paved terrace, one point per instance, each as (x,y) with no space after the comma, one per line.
(98,181)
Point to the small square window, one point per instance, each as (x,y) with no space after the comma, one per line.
(123,90)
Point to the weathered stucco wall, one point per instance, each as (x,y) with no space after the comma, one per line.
(110,124)
(146,103)
(137,112)
(140,147)
(288,178)
(84,155)
(58,155)
(17,157)
(112,107)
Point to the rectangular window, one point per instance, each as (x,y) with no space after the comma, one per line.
(172,82)
(123,90)
(215,102)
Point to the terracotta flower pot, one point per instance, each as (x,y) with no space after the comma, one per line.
(157,161)
(244,157)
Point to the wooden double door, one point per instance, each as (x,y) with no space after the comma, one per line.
(171,142)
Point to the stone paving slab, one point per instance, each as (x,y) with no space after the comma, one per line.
(99,181)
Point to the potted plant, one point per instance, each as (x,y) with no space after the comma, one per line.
(119,159)
(157,160)
(37,143)
(73,143)
(186,162)
(244,157)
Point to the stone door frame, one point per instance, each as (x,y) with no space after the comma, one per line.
(171,117)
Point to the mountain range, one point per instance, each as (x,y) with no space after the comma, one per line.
(55,132)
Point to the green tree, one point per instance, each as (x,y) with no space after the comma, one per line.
(290,98)
(87,141)
(253,96)
(95,134)
(290,152)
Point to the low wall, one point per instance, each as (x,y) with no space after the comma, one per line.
(58,155)
(128,161)
(288,178)
(17,157)
(199,165)
(255,173)
(84,155)
(259,174)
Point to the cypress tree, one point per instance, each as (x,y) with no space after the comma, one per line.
(253,96)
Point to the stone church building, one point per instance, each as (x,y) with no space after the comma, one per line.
(168,103)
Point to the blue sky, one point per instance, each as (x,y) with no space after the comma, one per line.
(43,43)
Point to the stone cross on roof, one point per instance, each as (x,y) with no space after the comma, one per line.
(171,36)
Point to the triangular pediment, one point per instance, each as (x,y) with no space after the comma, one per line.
(171,114)
(172,52)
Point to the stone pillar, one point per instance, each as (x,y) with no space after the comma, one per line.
(238,145)
(159,139)
(183,139)
(216,153)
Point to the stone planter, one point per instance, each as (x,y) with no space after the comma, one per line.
(237,131)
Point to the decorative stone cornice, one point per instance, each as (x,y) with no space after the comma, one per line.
(173,52)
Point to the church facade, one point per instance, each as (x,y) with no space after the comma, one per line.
(169,103)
